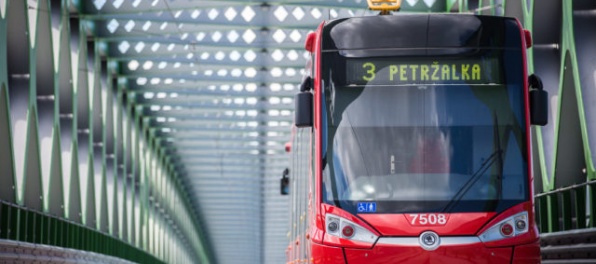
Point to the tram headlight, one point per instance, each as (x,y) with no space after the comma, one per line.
(520,224)
(346,229)
(333,225)
(506,229)
(509,227)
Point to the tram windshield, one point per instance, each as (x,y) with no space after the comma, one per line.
(404,135)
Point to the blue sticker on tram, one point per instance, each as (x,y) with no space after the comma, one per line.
(367,207)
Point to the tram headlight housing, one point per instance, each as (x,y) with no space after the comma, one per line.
(340,227)
(510,227)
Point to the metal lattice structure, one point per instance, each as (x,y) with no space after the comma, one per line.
(157,127)
(214,82)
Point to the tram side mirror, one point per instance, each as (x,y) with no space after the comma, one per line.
(538,102)
(303,112)
(284,182)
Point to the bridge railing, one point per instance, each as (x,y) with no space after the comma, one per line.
(566,219)
(34,229)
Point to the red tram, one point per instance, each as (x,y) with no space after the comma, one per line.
(412,142)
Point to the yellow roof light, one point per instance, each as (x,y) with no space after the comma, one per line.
(384,6)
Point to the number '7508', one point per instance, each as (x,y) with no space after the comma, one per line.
(427,219)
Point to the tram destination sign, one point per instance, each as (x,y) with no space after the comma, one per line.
(401,71)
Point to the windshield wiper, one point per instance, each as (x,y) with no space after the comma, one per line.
(496,156)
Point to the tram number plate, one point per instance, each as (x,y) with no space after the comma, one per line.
(427,219)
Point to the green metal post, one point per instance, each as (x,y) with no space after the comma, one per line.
(592,209)
(566,210)
(580,207)
(553,213)
(541,216)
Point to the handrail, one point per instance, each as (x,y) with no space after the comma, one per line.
(567,188)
